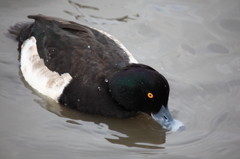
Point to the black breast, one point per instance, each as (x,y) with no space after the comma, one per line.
(89,56)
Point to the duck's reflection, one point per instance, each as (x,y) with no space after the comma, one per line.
(136,131)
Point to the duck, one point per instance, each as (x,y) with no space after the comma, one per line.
(89,70)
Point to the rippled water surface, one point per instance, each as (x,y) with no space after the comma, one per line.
(195,44)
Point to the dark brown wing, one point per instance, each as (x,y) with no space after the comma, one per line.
(69,47)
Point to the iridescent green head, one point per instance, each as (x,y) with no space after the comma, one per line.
(140,87)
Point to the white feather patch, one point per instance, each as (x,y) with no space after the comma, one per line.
(131,58)
(38,75)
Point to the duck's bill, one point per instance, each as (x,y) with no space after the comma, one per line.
(164,118)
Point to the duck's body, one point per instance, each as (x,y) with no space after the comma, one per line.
(87,69)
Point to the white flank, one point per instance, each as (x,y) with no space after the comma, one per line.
(131,58)
(38,75)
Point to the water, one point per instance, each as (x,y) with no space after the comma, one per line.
(195,44)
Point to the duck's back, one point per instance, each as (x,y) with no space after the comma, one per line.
(88,55)
(70,47)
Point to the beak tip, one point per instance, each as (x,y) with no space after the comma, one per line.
(164,118)
(176,125)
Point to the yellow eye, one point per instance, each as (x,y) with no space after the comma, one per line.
(150,95)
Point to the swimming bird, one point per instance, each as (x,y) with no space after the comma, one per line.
(89,70)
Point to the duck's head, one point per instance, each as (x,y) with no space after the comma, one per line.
(140,87)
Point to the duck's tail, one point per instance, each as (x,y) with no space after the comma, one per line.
(20,31)
(16,30)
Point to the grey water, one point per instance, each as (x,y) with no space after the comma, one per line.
(194,44)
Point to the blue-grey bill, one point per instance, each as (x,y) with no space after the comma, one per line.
(164,118)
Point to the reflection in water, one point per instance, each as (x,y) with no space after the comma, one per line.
(231,25)
(217,48)
(96,19)
(137,131)
(77,6)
